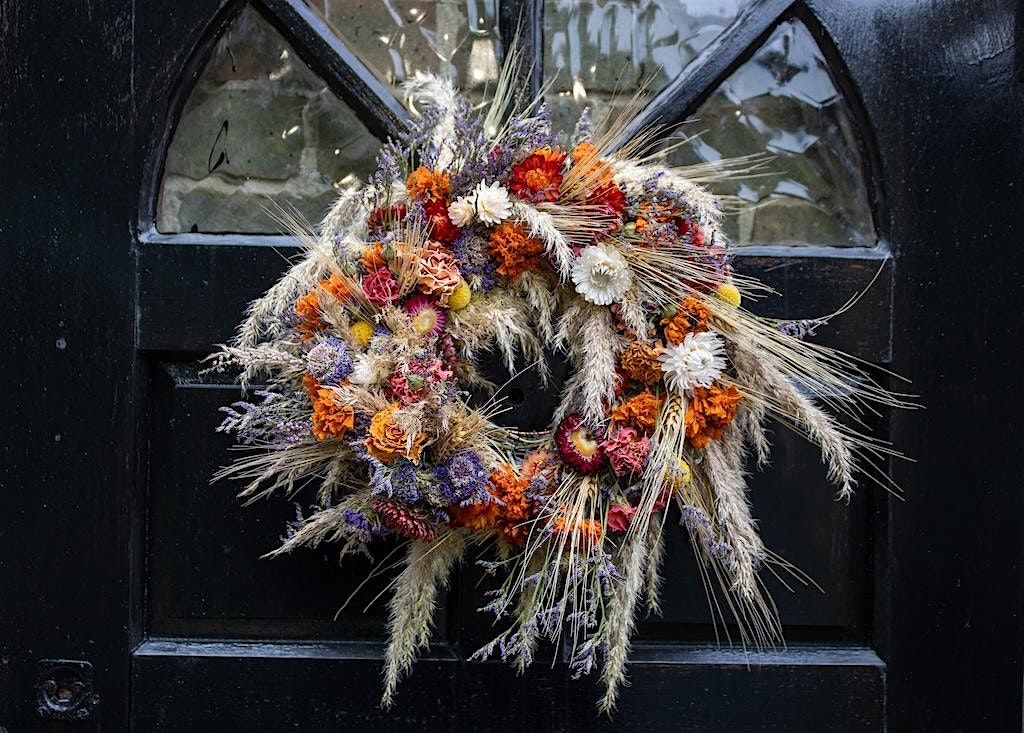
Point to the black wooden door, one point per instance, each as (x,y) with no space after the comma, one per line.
(139,140)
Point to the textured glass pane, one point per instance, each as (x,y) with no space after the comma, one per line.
(595,48)
(397,38)
(259,131)
(783,102)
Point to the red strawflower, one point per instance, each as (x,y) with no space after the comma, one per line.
(386,217)
(441,227)
(538,176)
(578,446)
(611,199)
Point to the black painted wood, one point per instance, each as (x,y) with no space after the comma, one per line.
(103,489)
(520,26)
(677,688)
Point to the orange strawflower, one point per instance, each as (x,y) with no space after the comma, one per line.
(640,411)
(337,287)
(709,413)
(424,183)
(515,251)
(308,310)
(640,362)
(311,386)
(388,441)
(691,317)
(329,417)
(373,257)
(538,176)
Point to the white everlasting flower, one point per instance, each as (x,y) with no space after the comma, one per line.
(696,362)
(462,210)
(366,371)
(492,203)
(601,274)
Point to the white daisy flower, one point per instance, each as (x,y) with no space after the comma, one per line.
(492,203)
(601,275)
(697,362)
(462,210)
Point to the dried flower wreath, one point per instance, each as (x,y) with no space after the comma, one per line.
(480,231)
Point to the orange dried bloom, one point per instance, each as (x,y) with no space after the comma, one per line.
(337,287)
(373,257)
(388,441)
(538,176)
(540,462)
(477,517)
(709,413)
(692,317)
(515,251)
(329,417)
(588,530)
(640,411)
(506,514)
(588,166)
(311,386)
(649,213)
(640,362)
(308,310)
(424,183)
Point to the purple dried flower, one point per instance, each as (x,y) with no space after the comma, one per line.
(463,478)
(329,362)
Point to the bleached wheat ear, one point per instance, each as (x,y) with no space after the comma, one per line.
(411,614)
(621,617)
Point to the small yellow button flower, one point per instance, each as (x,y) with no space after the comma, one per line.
(730,294)
(460,297)
(361,332)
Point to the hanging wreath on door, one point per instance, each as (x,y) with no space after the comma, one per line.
(483,231)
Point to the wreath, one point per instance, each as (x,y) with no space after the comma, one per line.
(483,231)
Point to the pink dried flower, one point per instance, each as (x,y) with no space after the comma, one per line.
(438,273)
(428,318)
(619,517)
(626,451)
(380,287)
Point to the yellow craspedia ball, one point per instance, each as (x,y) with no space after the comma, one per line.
(361,332)
(460,297)
(730,294)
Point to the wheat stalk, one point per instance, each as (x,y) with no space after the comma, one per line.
(411,611)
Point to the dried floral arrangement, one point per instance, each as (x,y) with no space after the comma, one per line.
(482,231)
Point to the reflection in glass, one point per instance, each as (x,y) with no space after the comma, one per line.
(783,102)
(259,131)
(597,49)
(397,38)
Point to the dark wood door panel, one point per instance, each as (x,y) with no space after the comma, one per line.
(325,687)
(205,576)
(800,520)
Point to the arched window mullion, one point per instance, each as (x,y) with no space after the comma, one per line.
(713,64)
(521,25)
(347,76)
